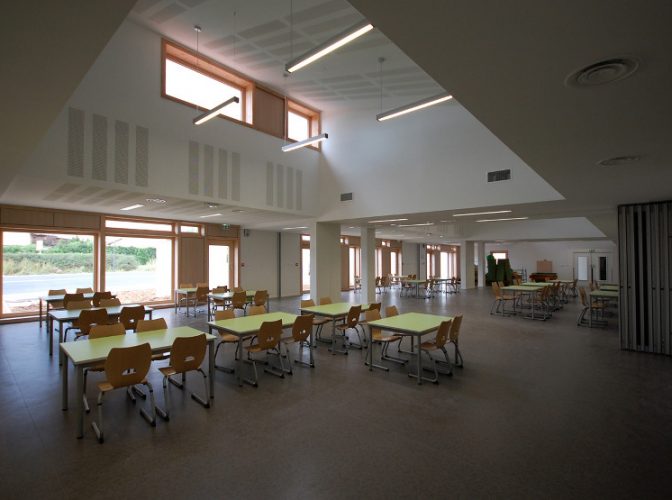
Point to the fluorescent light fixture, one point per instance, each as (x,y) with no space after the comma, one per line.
(132,207)
(414,106)
(210,215)
(298,227)
(386,220)
(483,213)
(306,142)
(155,200)
(329,46)
(497,220)
(421,224)
(214,111)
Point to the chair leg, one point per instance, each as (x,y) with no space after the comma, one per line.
(458,356)
(151,420)
(165,414)
(98,427)
(289,357)
(205,403)
(274,371)
(385,356)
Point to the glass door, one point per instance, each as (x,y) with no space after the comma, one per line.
(305,269)
(593,266)
(219,265)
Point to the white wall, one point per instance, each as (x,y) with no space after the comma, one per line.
(409,258)
(290,265)
(560,253)
(259,261)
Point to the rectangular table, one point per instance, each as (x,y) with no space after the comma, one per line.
(85,353)
(415,282)
(413,324)
(599,294)
(247,326)
(528,290)
(48,299)
(62,316)
(333,311)
(183,292)
(227,297)
(609,288)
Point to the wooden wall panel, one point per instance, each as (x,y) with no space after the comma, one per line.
(345,266)
(77,221)
(191,260)
(219,231)
(26,217)
(269,112)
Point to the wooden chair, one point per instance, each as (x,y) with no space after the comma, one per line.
(200,297)
(97,296)
(500,300)
(261,298)
(254,310)
(182,301)
(238,289)
(318,322)
(150,325)
(131,315)
(439,343)
(99,332)
(351,323)
(57,304)
(125,367)
(186,355)
(268,340)
(374,306)
(84,290)
(598,308)
(109,302)
(219,302)
(391,311)
(453,338)
(378,336)
(72,297)
(239,301)
(226,338)
(301,330)
(325,301)
(87,319)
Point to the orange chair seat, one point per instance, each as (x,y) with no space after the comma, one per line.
(428,346)
(168,371)
(254,348)
(320,321)
(227,337)
(379,337)
(106,386)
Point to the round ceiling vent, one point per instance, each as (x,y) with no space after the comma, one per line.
(619,160)
(603,72)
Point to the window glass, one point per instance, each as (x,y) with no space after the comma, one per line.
(141,226)
(298,126)
(201,90)
(190,229)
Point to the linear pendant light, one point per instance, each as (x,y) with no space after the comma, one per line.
(414,106)
(208,115)
(306,142)
(329,46)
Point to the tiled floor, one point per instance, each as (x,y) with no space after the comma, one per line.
(540,410)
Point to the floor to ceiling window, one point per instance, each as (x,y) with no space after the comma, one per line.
(220,262)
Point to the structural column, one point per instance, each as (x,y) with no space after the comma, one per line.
(325,261)
(480,253)
(368,246)
(467,264)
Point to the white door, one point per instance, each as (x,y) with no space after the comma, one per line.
(593,266)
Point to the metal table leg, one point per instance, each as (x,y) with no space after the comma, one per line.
(211,367)
(370,363)
(64,384)
(80,401)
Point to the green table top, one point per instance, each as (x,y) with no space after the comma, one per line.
(249,325)
(609,288)
(537,285)
(184,291)
(604,294)
(415,282)
(70,314)
(567,282)
(56,298)
(335,310)
(229,295)
(520,288)
(96,350)
(411,323)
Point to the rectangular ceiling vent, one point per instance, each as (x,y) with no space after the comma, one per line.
(499,175)
(346,196)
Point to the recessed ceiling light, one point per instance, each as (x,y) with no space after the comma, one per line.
(482,213)
(497,220)
(603,72)
(297,227)
(420,224)
(237,211)
(212,205)
(155,200)
(210,215)
(132,207)
(619,160)
(385,220)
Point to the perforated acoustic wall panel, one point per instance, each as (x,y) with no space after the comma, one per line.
(208,170)
(269,184)
(235,176)
(193,167)
(99,153)
(141,156)
(223,174)
(644,246)
(75,160)
(121,143)
(284,186)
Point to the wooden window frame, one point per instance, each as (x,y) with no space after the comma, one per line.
(314,120)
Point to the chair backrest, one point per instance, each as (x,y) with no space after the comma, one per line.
(584,298)
(385,280)
(496,290)
(307,303)
(325,301)
(443,333)
(148,325)
(372,315)
(260,297)
(391,311)
(269,334)
(70,297)
(100,331)
(220,289)
(238,299)
(97,296)
(131,315)
(202,283)
(127,366)
(187,353)
(78,304)
(61,291)
(91,317)
(238,289)
(87,289)
(225,314)
(202,293)
(303,326)
(455,328)
(109,302)
(375,305)
(254,310)
(353,316)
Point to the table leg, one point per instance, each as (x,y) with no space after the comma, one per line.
(80,401)
(40,312)
(310,348)
(209,313)
(176,300)
(590,311)
(50,328)
(211,367)
(370,363)
(419,360)
(64,384)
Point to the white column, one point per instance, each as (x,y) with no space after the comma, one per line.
(480,251)
(368,245)
(467,264)
(325,261)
